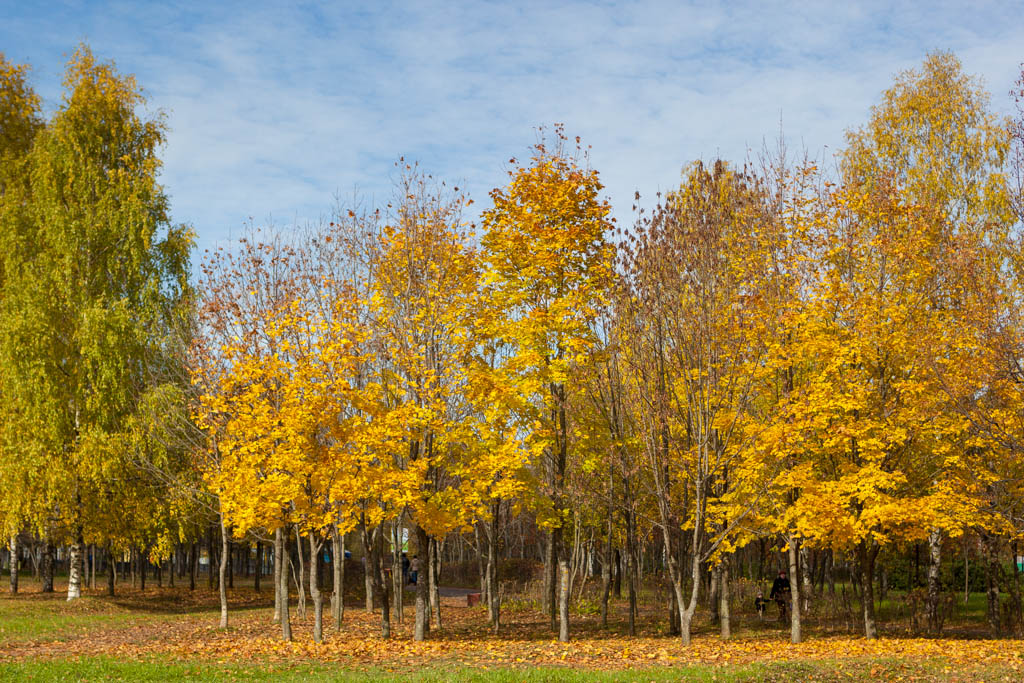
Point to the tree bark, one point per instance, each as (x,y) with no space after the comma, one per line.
(550,577)
(723,597)
(606,574)
(75,566)
(111,569)
(493,591)
(434,578)
(338,599)
(48,560)
(225,557)
(259,567)
(281,573)
(867,551)
(314,587)
(563,597)
(193,566)
(422,627)
(15,549)
(299,576)
(806,579)
(795,636)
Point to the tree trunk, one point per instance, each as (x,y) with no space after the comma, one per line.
(111,569)
(993,576)
(606,574)
(563,597)
(300,576)
(225,557)
(550,577)
(259,567)
(795,636)
(193,566)
(75,566)
(338,599)
(281,573)
(397,586)
(228,548)
(434,577)
(48,560)
(723,597)
(617,583)
(686,609)
(714,584)
(494,594)
(806,579)
(314,587)
(422,627)
(867,551)
(15,562)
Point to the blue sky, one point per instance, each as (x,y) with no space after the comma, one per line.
(276,109)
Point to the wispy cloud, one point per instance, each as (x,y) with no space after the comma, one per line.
(274,108)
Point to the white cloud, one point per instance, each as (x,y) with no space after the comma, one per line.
(273,109)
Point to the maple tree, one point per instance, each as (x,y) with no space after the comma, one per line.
(547,266)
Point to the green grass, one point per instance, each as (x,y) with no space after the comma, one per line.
(104,669)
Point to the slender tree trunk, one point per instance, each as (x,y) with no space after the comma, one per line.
(434,577)
(111,569)
(422,627)
(563,597)
(225,557)
(171,566)
(314,587)
(259,567)
(617,583)
(967,572)
(723,597)
(795,636)
(686,610)
(338,601)
(300,575)
(714,585)
(281,573)
(494,593)
(631,581)
(48,560)
(397,588)
(993,576)
(15,562)
(551,577)
(380,586)
(75,566)
(367,566)
(606,573)
(193,568)
(280,557)
(806,579)
(867,551)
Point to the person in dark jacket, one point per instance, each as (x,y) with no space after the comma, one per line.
(780,593)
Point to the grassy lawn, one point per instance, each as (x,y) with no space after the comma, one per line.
(105,669)
(172,634)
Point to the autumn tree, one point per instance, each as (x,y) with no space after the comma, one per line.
(934,138)
(20,120)
(547,266)
(93,272)
(697,332)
